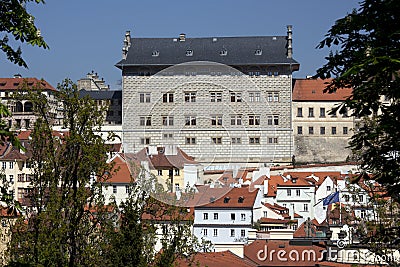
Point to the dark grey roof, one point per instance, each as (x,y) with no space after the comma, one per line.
(101,95)
(240,51)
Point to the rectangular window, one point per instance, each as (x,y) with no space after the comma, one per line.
(4,165)
(205,216)
(322,130)
(21,177)
(276,96)
(322,112)
(254,119)
(145,121)
(215,216)
(205,232)
(269,120)
(216,140)
(298,192)
(190,97)
(236,119)
(269,97)
(265,213)
(361,198)
(254,96)
(190,120)
(299,112)
(345,130)
(276,120)
(168,97)
(242,217)
(145,141)
(215,232)
(11,165)
(236,97)
(233,216)
(305,207)
(114,189)
(232,232)
(144,97)
(289,192)
(177,172)
(11,179)
(168,136)
(127,189)
(216,96)
(190,140)
(216,120)
(333,130)
(167,121)
(254,140)
(310,112)
(299,130)
(242,233)
(328,188)
(236,140)
(310,130)
(160,172)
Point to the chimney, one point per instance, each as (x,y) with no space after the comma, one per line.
(182,37)
(127,44)
(289,41)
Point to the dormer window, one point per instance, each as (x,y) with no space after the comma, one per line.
(223,52)
(240,199)
(258,52)
(155,53)
(189,53)
(226,199)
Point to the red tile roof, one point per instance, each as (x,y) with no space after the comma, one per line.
(241,197)
(312,90)
(163,161)
(18,83)
(121,172)
(215,259)
(256,253)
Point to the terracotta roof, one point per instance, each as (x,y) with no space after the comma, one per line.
(24,135)
(274,221)
(17,83)
(121,172)
(163,161)
(215,259)
(256,252)
(238,197)
(312,90)
(337,264)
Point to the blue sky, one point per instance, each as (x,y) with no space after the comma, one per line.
(87,35)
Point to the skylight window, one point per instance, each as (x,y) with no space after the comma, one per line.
(258,52)
(189,53)
(155,53)
(223,52)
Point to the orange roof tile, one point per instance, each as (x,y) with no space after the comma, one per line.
(256,252)
(18,83)
(312,90)
(215,259)
(238,197)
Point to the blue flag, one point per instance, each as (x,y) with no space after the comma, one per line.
(332,198)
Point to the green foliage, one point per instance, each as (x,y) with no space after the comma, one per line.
(61,226)
(366,57)
(15,20)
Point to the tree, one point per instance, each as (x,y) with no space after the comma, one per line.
(67,209)
(15,20)
(367,59)
(365,56)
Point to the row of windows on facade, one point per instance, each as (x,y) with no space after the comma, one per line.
(216,216)
(108,102)
(322,113)
(216,140)
(22,177)
(191,120)
(18,123)
(322,130)
(232,232)
(214,97)
(11,165)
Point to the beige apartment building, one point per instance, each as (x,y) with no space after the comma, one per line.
(318,135)
(220,99)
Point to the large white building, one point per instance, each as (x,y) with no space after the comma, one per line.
(220,99)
